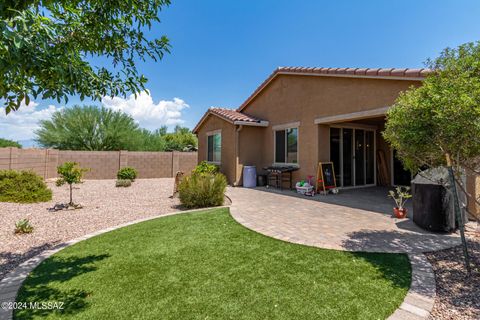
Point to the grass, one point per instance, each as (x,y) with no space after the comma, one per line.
(204,265)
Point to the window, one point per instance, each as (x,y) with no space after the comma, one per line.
(214,147)
(286,146)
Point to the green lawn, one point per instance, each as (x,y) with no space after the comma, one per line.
(204,265)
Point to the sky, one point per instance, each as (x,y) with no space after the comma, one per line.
(222,50)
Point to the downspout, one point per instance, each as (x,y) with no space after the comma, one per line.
(237,159)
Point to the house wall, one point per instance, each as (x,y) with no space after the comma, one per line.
(228,161)
(292,98)
(251,146)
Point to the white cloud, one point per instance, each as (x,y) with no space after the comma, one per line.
(148,114)
(21,124)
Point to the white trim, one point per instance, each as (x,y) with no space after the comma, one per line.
(350,125)
(253,124)
(297,164)
(285,126)
(352,116)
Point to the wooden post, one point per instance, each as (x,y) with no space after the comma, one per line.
(46,165)
(10,159)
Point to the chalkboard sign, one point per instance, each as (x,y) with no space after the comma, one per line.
(325,177)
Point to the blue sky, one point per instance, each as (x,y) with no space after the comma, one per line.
(222,50)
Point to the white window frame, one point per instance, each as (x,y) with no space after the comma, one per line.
(212,133)
(285,127)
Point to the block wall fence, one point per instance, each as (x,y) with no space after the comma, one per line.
(102,164)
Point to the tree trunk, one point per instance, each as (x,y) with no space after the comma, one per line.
(71,200)
(458,214)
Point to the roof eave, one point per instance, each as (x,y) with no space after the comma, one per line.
(252,124)
(205,116)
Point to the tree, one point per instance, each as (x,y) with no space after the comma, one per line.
(100,129)
(44,47)
(4,143)
(70,173)
(88,128)
(438,123)
(182,139)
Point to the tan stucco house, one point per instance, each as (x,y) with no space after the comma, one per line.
(301,116)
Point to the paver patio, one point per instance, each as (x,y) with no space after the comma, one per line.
(354,220)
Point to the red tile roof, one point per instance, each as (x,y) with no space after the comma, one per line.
(233,115)
(384,73)
(229,115)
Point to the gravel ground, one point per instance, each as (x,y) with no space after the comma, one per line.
(103,206)
(458,297)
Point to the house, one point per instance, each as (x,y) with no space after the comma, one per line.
(302,116)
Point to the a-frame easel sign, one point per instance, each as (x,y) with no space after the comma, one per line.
(326,177)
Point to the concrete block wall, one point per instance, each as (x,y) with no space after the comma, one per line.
(102,164)
(41,161)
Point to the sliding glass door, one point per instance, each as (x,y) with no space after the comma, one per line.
(352,151)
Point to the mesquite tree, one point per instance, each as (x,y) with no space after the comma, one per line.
(44,46)
(438,123)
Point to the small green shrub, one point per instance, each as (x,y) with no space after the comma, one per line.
(205,167)
(23,187)
(123,183)
(202,190)
(23,226)
(70,173)
(127,173)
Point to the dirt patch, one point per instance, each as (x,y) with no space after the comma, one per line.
(457,295)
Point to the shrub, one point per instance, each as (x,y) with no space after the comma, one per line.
(127,173)
(23,226)
(205,167)
(23,187)
(4,143)
(123,183)
(202,190)
(70,173)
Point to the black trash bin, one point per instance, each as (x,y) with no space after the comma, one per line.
(261,180)
(432,202)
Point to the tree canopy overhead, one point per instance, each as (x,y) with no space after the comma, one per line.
(44,46)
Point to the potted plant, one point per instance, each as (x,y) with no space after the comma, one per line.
(400,196)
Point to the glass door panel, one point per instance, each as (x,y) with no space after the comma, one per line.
(369,157)
(359,157)
(335,153)
(347,150)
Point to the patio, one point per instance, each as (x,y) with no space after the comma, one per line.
(353,220)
